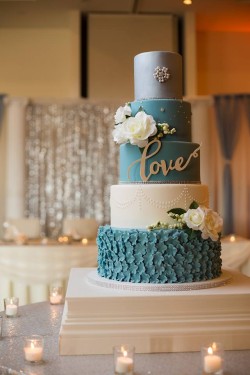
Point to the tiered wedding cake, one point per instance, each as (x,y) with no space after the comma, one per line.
(162,230)
(162,241)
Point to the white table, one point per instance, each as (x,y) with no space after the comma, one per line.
(27,271)
(45,319)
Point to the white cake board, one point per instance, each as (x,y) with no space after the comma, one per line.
(96,318)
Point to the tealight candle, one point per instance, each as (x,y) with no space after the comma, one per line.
(124,360)
(85,241)
(56,295)
(213,359)
(65,240)
(33,348)
(21,239)
(232,238)
(11,307)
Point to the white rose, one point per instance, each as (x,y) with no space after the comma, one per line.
(212,225)
(119,134)
(194,218)
(122,113)
(139,128)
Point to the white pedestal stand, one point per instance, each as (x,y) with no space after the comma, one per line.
(96,318)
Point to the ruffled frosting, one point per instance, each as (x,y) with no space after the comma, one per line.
(158,256)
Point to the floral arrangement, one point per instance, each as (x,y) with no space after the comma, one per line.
(196,218)
(137,129)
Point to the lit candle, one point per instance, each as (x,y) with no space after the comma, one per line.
(11,306)
(64,240)
(232,238)
(85,241)
(11,310)
(21,239)
(33,354)
(33,349)
(56,296)
(124,363)
(212,362)
(55,299)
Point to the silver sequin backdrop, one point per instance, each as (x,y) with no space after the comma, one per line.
(70,161)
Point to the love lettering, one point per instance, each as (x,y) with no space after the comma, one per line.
(156,167)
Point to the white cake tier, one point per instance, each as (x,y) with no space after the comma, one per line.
(141,205)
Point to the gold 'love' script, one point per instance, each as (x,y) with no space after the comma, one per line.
(156,167)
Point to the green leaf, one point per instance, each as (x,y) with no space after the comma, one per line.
(191,233)
(178,211)
(193,205)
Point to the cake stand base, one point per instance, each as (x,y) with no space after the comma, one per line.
(97,317)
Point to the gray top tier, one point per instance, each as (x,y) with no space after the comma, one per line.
(158,75)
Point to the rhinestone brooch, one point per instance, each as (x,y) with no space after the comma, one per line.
(161,74)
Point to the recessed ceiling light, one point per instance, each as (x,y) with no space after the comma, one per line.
(187,2)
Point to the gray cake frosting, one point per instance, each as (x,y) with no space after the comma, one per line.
(158,75)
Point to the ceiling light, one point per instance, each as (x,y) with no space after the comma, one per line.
(187,2)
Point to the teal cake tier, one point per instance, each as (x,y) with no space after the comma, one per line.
(160,162)
(176,113)
(159,256)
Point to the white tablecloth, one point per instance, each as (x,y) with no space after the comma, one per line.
(236,254)
(45,320)
(27,271)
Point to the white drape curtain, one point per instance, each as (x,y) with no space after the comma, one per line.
(240,178)
(204,132)
(212,162)
(15,109)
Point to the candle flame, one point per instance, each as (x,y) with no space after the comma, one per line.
(232,238)
(214,346)
(124,351)
(32,345)
(210,350)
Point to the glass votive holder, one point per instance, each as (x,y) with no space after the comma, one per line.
(213,359)
(11,307)
(124,360)
(56,295)
(33,348)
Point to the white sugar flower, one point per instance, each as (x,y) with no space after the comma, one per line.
(122,113)
(212,225)
(135,130)
(139,128)
(194,218)
(119,134)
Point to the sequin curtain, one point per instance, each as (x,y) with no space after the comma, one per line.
(70,162)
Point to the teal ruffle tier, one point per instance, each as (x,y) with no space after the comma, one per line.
(158,256)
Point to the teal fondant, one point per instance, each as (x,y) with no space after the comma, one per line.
(177,113)
(159,256)
(169,154)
